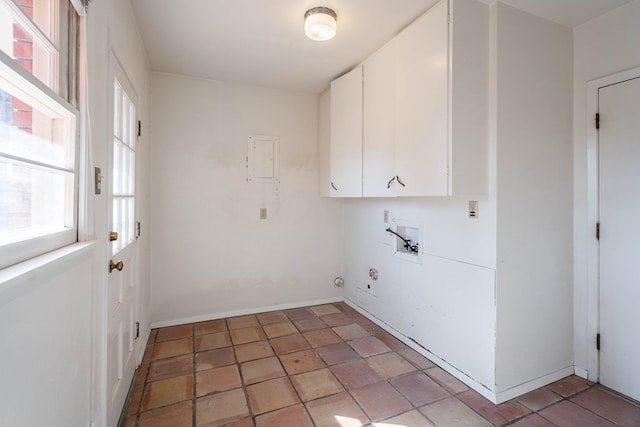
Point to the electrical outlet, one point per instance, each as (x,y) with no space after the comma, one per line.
(473,209)
(263,213)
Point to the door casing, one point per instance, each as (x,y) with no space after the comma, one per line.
(593,247)
(117,70)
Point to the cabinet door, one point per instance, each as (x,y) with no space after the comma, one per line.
(379,122)
(421,155)
(346,135)
(324,144)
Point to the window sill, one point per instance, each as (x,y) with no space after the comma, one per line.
(20,279)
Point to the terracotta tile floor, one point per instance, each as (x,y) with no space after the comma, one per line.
(328,365)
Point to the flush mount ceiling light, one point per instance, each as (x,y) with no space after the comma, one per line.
(320,23)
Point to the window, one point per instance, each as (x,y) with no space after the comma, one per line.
(124,167)
(38,128)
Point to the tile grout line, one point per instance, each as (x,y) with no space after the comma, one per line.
(147,381)
(301,401)
(151,347)
(563,399)
(533,412)
(243,384)
(417,369)
(371,333)
(327,366)
(346,390)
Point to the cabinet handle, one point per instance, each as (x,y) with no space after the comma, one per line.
(333,186)
(391,182)
(400,182)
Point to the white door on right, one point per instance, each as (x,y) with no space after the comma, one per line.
(619,188)
(122,332)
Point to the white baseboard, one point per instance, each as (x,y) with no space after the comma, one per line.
(582,373)
(521,389)
(244,312)
(491,395)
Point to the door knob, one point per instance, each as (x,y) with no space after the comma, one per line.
(117,266)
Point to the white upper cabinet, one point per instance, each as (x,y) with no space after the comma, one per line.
(420,126)
(379,112)
(421,146)
(468,97)
(346,135)
(442,102)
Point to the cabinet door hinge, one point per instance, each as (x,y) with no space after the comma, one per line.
(139,128)
(598,231)
(597,120)
(598,342)
(137,330)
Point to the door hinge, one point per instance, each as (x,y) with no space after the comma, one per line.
(139,128)
(137,330)
(598,342)
(598,231)
(597,120)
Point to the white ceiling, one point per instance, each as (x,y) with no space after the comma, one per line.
(262,42)
(569,13)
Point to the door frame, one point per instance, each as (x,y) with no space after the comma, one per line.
(593,245)
(116,69)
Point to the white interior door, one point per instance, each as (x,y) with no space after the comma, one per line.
(122,282)
(619,188)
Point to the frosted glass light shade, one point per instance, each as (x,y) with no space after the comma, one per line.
(320,23)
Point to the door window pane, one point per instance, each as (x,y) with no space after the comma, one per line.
(123,173)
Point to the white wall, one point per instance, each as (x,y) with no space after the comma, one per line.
(211,254)
(52,318)
(45,362)
(604,46)
(447,302)
(534,175)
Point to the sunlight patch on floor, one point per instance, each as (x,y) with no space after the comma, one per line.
(353,422)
